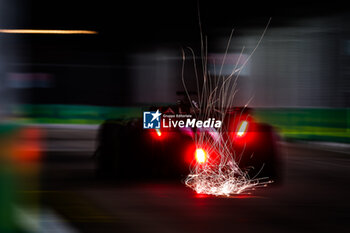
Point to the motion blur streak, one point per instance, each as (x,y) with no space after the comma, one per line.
(30,146)
(43,31)
(57,88)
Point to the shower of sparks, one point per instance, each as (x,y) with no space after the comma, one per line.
(219,174)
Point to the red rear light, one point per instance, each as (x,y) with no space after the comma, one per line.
(242,129)
(200,155)
(159,133)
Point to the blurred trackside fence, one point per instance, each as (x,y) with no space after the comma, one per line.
(318,124)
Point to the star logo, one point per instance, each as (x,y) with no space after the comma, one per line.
(151,120)
(155,115)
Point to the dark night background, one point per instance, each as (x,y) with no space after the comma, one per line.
(57,89)
(99,69)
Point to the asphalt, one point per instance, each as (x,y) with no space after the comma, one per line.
(313,196)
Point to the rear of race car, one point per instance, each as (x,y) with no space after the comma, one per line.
(127,151)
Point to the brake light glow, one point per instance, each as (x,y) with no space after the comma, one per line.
(200,155)
(159,133)
(242,128)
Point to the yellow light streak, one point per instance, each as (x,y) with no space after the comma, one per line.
(44,31)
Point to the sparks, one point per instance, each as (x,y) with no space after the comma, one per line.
(220,176)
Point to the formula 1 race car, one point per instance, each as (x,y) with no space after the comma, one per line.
(126,150)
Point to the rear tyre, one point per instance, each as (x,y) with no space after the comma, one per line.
(109,143)
(261,159)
